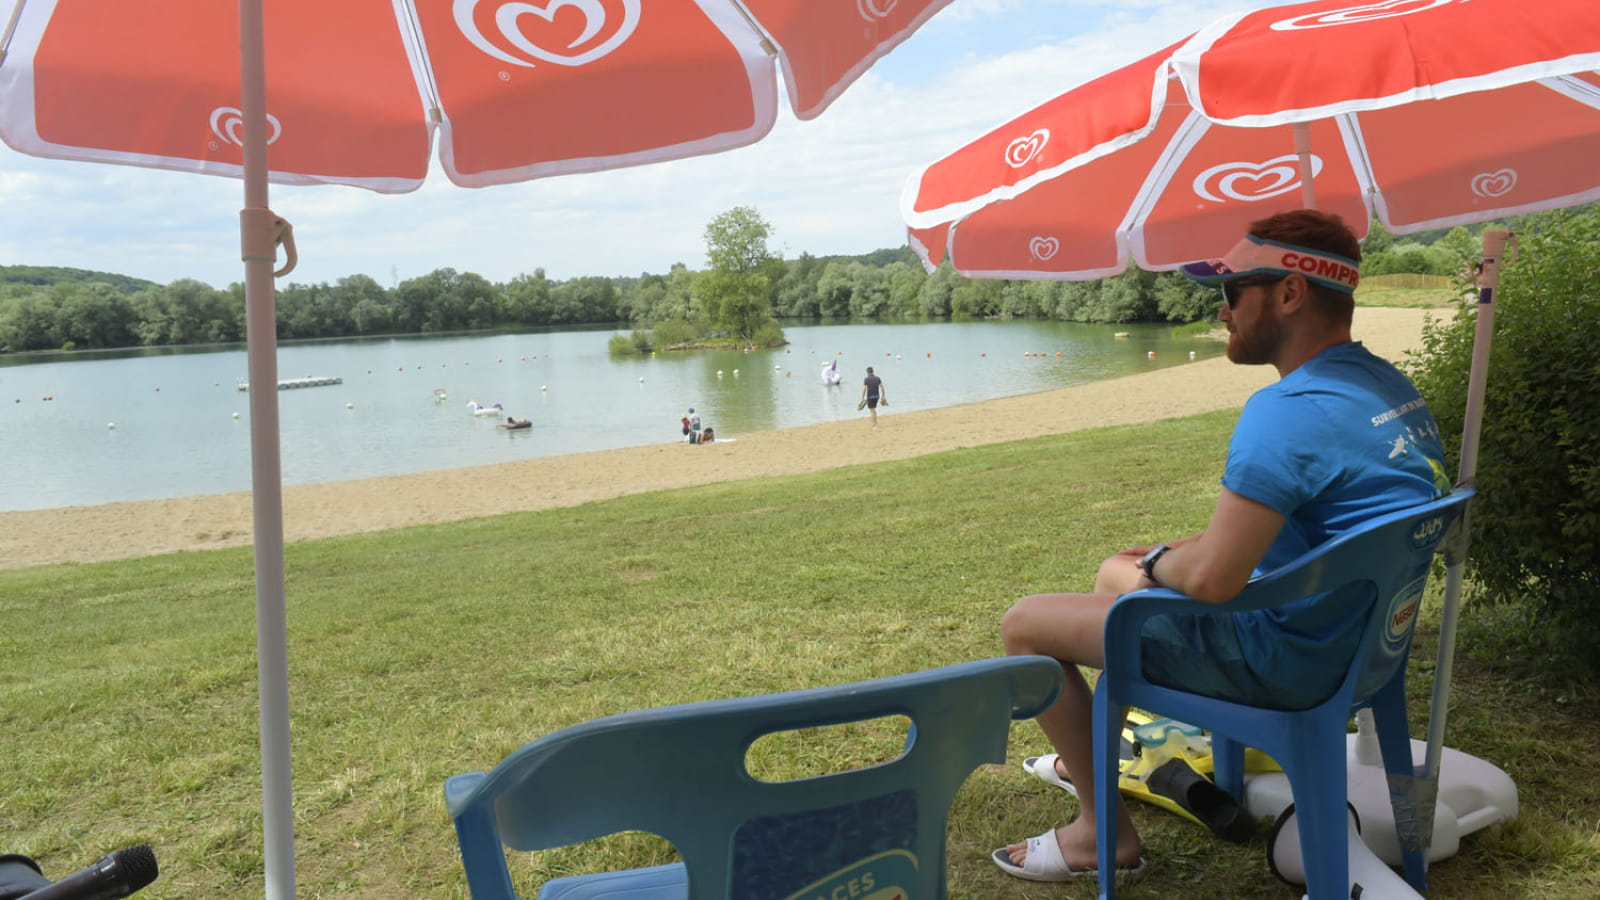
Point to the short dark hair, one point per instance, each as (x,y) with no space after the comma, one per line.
(1316,230)
(869,370)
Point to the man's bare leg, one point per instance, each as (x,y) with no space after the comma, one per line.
(1070,628)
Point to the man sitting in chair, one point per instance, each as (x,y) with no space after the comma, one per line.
(1341,438)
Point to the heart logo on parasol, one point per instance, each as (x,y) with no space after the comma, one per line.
(876,9)
(601,33)
(1355,15)
(1252,181)
(1023,150)
(227,123)
(1494,184)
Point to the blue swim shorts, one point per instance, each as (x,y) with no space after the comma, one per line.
(1200,653)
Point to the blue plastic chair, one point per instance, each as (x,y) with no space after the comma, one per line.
(1383,563)
(679,772)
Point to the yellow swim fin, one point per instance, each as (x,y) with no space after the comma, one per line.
(1169,766)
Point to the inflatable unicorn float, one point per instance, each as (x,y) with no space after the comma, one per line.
(830,373)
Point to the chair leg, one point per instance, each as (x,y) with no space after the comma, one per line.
(1107,757)
(1394,740)
(1317,776)
(1227,759)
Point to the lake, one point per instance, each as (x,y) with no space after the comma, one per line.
(169,422)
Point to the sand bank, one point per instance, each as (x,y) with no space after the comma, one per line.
(123,530)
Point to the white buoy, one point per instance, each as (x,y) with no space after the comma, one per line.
(777,368)
(736,373)
(641,379)
(719,373)
(1191,354)
(543,388)
(349,406)
(112,426)
(236,415)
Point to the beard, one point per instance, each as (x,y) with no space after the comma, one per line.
(1260,344)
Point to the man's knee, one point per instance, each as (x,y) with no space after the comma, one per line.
(1011,626)
(1118,575)
(1019,626)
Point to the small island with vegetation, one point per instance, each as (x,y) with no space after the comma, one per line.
(731,306)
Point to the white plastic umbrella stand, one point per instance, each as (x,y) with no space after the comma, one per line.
(1456,793)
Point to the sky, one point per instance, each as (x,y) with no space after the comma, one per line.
(828,186)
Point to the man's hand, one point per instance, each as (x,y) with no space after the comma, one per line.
(1138,552)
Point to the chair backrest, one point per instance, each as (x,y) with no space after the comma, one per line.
(1382,564)
(680,772)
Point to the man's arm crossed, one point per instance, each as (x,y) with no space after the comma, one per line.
(1215,566)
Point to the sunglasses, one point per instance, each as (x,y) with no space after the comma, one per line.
(1231,290)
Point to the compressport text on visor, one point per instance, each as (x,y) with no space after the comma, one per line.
(1258,256)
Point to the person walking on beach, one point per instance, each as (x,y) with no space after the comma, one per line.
(694,427)
(1341,438)
(872,393)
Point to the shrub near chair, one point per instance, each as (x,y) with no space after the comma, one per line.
(1384,563)
(871,834)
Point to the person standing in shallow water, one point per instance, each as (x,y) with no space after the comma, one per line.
(872,393)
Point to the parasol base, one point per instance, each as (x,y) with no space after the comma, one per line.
(1472,795)
(1370,878)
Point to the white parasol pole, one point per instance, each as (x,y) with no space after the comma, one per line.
(1494,246)
(258,236)
(1302,150)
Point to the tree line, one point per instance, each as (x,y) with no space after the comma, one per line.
(48,309)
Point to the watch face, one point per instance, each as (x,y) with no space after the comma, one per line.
(1150,558)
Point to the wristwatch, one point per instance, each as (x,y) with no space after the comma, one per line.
(1148,563)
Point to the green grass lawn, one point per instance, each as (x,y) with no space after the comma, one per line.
(128,697)
(1380,293)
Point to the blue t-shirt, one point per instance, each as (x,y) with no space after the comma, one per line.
(1340,440)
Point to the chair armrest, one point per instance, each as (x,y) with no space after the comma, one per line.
(1035,684)
(1127,616)
(1126,619)
(458,787)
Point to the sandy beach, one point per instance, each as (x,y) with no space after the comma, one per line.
(124,530)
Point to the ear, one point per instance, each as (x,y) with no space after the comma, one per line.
(1294,295)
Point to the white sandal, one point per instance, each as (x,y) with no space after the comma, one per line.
(1044,769)
(1045,863)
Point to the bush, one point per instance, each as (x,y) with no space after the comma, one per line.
(1536,524)
(671,332)
(621,344)
(1200,329)
(768,334)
